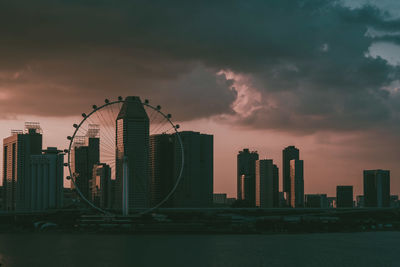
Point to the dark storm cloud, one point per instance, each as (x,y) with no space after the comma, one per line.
(306,58)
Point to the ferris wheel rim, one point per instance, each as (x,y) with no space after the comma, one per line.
(108,103)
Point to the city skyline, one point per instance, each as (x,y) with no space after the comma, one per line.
(263,79)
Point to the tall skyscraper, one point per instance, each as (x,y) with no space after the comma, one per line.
(246,176)
(376,188)
(162,167)
(132,155)
(344,196)
(267,188)
(296,183)
(196,187)
(17,150)
(289,153)
(47,180)
(85,154)
(101,186)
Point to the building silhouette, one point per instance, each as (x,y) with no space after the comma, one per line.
(132,149)
(288,154)
(101,187)
(376,188)
(267,184)
(296,183)
(85,154)
(246,176)
(316,201)
(47,180)
(196,187)
(162,167)
(344,196)
(17,151)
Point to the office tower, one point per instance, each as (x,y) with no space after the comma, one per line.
(85,154)
(288,154)
(132,156)
(296,183)
(162,153)
(376,188)
(246,172)
(344,196)
(196,187)
(47,180)
(267,179)
(316,201)
(17,151)
(101,186)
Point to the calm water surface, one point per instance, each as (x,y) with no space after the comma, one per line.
(342,249)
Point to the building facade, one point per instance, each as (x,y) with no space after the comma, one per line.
(246,176)
(47,180)
(85,154)
(17,151)
(377,188)
(132,156)
(162,168)
(101,186)
(288,154)
(344,196)
(296,183)
(267,184)
(195,190)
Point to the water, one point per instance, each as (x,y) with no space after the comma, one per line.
(334,249)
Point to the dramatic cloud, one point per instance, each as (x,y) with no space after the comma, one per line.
(303,66)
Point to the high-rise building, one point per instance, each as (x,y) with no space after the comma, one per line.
(132,156)
(85,154)
(47,180)
(344,196)
(196,186)
(246,176)
(267,187)
(162,167)
(316,201)
(288,154)
(296,183)
(17,151)
(376,188)
(101,186)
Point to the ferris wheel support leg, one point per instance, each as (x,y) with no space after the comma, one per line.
(125,189)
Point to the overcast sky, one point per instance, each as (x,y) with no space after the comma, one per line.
(320,74)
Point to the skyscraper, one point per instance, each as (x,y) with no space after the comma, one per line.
(376,188)
(101,186)
(47,180)
(85,154)
(196,186)
(344,196)
(132,155)
(246,175)
(267,188)
(162,167)
(296,183)
(17,150)
(289,153)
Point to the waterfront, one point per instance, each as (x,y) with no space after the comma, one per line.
(325,249)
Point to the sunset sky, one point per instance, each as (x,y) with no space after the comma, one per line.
(322,75)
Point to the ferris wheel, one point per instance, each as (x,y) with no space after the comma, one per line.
(92,156)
